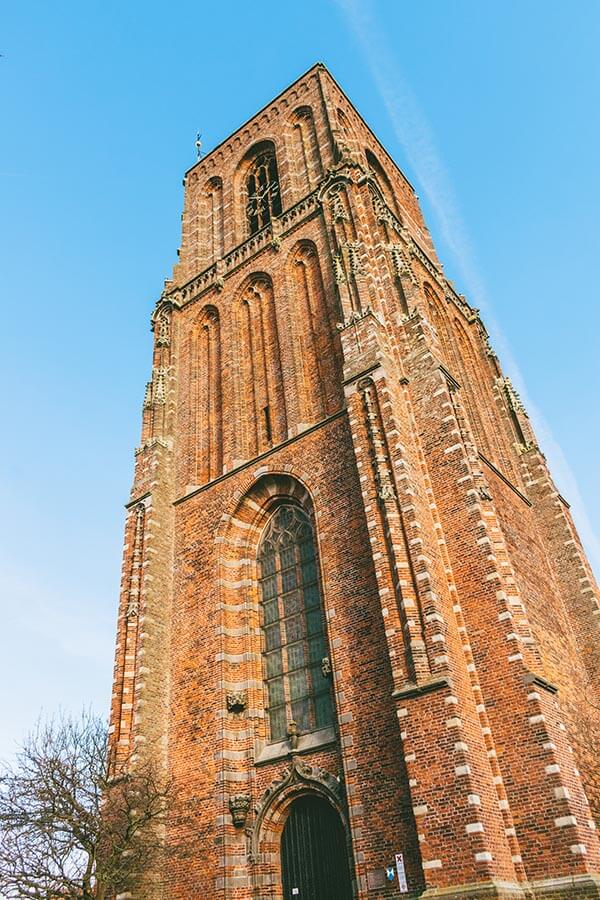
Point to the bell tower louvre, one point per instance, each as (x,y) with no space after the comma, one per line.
(357,631)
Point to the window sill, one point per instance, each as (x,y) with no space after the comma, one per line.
(306,744)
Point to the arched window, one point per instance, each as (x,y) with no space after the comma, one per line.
(262,188)
(295,655)
(381,179)
(308,167)
(211,235)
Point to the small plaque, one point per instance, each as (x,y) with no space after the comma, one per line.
(375,879)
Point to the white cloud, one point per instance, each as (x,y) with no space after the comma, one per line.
(417,141)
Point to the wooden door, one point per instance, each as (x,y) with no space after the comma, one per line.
(314,854)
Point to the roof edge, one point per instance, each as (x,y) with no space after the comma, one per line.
(316,67)
(246,122)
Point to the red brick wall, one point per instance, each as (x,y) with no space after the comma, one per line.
(326,360)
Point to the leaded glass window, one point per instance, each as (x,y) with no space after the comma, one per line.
(295,655)
(262,186)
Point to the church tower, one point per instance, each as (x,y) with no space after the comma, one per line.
(357,631)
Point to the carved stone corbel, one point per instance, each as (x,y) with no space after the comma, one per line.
(236,701)
(239,806)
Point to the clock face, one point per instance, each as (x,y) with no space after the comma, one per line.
(263,195)
(252,206)
(265,192)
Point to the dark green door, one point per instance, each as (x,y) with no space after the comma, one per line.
(314,856)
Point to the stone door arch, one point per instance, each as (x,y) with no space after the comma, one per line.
(298,782)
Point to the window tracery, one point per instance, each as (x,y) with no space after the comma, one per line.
(263,193)
(296,666)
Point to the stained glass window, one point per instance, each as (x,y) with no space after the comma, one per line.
(295,655)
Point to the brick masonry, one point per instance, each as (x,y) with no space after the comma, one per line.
(326,359)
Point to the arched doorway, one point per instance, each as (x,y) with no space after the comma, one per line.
(314,856)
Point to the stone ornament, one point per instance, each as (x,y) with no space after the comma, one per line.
(300,774)
(379,454)
(163,338)
(489,350)
(156,390)
(239,806)
(133,597)
(513,398)
(357,315)
(386,491)
(353,249)
(293,735)
(236,701)
(343,151)
(383,213)
(338,269)
(338,210)
(159,385)
(148,395)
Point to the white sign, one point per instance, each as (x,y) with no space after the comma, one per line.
(295,892)
(402,882)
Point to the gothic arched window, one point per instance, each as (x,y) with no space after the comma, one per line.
(262,188)
(295,657)
(381,179)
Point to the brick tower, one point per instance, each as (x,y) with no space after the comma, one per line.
(357,627)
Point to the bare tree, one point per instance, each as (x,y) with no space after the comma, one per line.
(70,826)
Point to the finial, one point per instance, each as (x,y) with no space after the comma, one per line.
(198,146)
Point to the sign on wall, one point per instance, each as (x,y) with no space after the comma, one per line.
(402,882)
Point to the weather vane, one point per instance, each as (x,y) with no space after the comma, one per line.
(198,145)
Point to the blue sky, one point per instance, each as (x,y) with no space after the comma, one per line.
(490,109)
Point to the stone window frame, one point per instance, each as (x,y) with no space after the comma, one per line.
(238,537)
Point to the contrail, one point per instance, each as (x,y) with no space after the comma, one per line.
(416,138)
